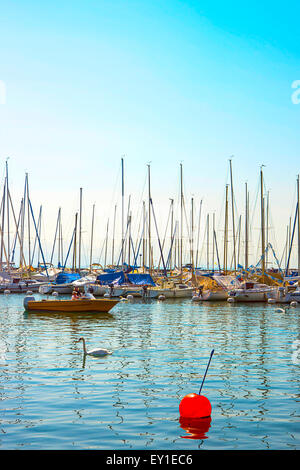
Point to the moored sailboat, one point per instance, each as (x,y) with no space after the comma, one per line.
(252,292)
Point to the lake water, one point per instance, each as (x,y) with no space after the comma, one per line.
(51,398)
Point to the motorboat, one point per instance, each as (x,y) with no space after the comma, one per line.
(69,306)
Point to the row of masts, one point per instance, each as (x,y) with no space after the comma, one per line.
(141,253)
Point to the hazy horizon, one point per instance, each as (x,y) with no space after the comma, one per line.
(167,83)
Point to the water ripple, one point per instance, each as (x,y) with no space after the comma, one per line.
(54,398)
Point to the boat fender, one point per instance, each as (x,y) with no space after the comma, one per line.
(27,299)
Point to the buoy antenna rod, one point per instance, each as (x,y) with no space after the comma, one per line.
(211,355)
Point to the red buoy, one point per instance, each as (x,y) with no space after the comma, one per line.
(195,406)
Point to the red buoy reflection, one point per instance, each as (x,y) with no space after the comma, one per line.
(195,427)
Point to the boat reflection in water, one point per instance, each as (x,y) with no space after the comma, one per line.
(196,428)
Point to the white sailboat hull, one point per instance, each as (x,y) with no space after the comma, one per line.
(115,291)
(253,297)
(246,296)
(214,295)
(18,288)
(97,289)
(171,293)
(252,292)
(59,288)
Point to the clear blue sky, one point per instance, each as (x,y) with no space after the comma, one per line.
(160,81)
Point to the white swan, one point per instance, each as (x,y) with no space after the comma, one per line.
(94,352)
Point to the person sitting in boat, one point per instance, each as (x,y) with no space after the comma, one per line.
(76,294)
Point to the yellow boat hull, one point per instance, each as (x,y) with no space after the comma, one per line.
(70,306)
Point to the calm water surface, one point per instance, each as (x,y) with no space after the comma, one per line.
(51,398)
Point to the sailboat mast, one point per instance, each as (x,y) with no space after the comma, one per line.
(55,237)
(178,245)
(129,239)
(198,234)
(267,227)
(2,225)
(207,242)
(232,209)
(226,230)
(75,244)
(92,237)
(172,223)
(298,201)
(246,226)
(263,267)
(106,240)
(192,233)
(239,239)
(7,203)
(113,237)
(22,258)
(28,219)
(129,229)
(80,228)
(144,236)
(23,224)
(122,188)
(61,241)
(59,245)
(213,245)
(181,217)
(149,218)
(39,235)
